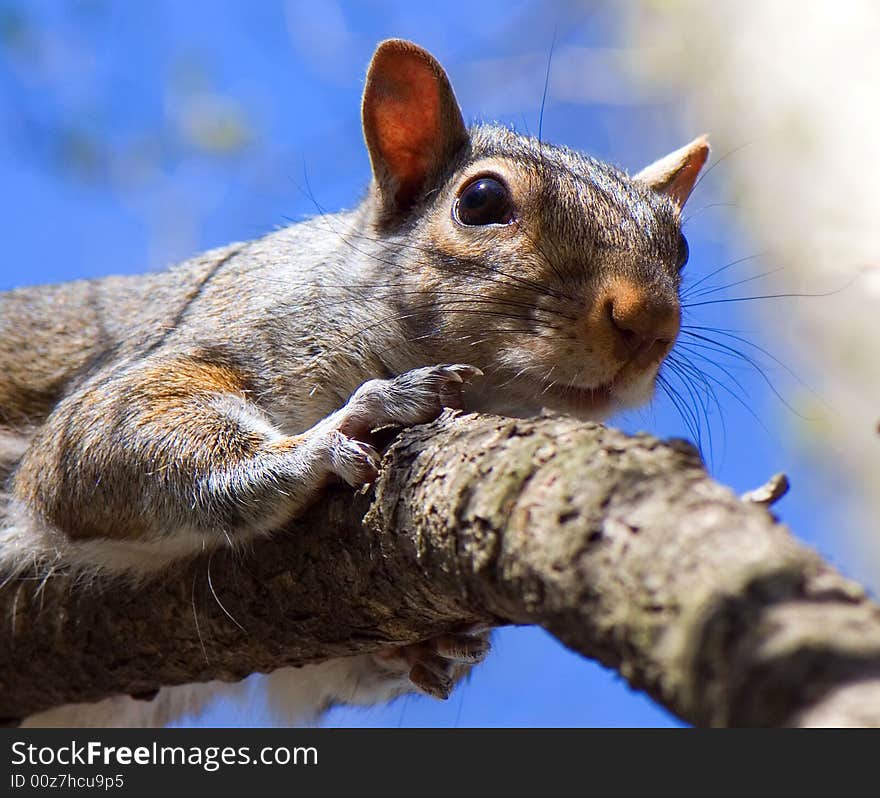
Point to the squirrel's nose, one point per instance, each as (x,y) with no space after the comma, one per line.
(644,320)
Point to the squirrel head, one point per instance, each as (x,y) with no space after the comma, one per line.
(555,273)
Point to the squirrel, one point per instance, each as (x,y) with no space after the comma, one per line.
(147,419)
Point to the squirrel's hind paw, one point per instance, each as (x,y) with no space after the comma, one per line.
(433,666)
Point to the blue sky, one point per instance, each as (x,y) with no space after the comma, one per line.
(135,134)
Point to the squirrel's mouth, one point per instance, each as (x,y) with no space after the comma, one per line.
(630,386)
(594,402)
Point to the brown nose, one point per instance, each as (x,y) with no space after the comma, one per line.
(643,319)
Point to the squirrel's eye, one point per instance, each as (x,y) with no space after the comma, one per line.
(683,251)
(484,201)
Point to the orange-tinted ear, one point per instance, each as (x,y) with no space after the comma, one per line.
(412,123)
(676,174)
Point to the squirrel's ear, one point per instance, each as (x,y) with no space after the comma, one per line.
(676,174)
(412,123)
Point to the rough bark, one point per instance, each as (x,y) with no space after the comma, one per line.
(621,546)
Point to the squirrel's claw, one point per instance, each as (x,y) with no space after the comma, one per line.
(414,397)
(460,372)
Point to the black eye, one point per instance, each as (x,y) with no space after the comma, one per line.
(683,251)
(484,201)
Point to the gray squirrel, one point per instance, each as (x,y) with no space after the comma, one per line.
(145,420)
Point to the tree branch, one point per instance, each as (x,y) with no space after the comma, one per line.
(620,546)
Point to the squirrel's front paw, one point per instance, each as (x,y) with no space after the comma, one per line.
(434,666)
(354,461)
(415,397)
